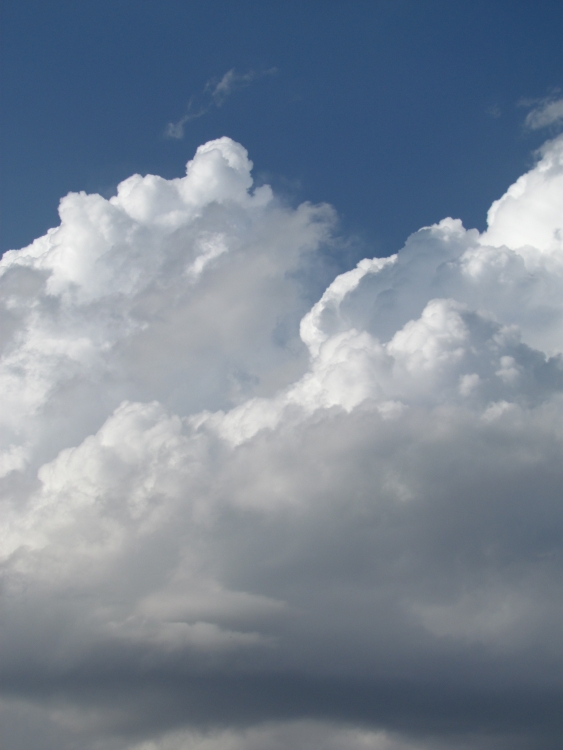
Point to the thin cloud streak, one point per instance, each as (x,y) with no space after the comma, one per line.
(215,93)
(546,112)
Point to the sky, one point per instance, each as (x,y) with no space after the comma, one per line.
(397,113)
(281,376)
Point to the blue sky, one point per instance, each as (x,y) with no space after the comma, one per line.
(281,384)
(397,113)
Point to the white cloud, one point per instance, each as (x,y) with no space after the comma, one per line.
(290,505)
(529,216)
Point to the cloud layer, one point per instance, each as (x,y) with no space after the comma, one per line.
(241,511)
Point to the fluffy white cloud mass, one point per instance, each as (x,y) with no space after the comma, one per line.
(238,511)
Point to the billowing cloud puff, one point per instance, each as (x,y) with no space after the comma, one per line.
(238,511)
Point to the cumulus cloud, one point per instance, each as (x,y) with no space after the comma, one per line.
(215,92)
(243,510)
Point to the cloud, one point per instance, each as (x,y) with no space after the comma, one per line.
(232,82)
(545,113)
(215,92)
(245,504)
(176,129)
(494,111)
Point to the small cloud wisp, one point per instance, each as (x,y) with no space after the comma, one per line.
(545,113)
(215,93)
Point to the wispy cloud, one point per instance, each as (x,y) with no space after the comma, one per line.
(176,129)
(494,111)
(544,113)
(215,93)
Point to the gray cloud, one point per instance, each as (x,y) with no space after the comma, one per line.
(246,507)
